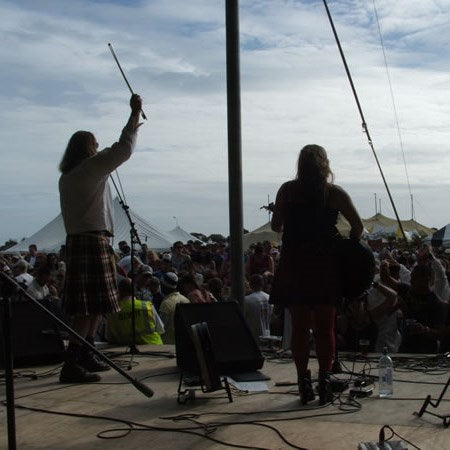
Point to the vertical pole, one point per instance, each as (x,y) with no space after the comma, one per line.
(9,370)
(234,151)
(376,210)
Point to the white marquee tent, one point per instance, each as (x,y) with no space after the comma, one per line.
(178,234)
(53,235)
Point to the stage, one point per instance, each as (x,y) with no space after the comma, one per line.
(252,420)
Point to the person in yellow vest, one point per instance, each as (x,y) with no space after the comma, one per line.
(149,326)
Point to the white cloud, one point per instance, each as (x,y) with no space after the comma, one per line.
(58,76)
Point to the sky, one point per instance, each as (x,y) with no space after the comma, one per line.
(58,76)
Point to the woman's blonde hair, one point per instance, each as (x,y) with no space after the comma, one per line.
(313,172)
(81,145)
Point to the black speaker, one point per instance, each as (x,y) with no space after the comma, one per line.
(35,338)
(233,346)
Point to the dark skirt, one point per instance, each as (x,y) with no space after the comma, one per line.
(306,274)
(91,284)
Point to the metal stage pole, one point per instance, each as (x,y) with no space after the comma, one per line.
(234,151)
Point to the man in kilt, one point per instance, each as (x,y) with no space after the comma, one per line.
(87,209)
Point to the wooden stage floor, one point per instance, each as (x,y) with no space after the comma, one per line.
(163,423)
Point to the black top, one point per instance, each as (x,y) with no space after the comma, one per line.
(304,223)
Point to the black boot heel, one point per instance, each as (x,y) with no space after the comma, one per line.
(305,388)
(325,391)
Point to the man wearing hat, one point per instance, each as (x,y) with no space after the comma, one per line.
(143,277)
(169,287)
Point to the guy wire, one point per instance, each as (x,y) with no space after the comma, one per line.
(121,188)
(364,124)
(393,101)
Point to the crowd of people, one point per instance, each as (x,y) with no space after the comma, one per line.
(405,309)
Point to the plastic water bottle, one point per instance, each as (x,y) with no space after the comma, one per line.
(386,375)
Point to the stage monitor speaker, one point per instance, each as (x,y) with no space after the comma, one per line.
(35,337)
(233,345)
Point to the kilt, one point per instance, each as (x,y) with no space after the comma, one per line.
(306,274)
(91,283)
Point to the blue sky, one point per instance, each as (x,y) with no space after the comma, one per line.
(58,76)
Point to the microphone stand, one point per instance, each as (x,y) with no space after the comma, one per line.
(8,285)
(134,238)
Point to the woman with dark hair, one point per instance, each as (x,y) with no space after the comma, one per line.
(307,279)
(87,210)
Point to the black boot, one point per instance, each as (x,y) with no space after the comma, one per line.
(305,388)
(90,361)
(325,391)
(72,371)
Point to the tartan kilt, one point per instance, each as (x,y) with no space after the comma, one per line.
(91,283)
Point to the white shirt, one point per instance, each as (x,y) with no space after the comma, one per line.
(37,291)
(387,330)
(85,195)
(440,286)
(24,278)
(257,312)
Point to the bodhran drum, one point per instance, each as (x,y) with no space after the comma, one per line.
(357,267)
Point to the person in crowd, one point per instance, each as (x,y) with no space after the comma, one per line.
(154,260)
(122,245)
(256,308)
(169,286)
(219,255)
(141,282)
(215,286)
(440,285)
(62,254)
(15,258)
(20,271)
(125,261)
(58,282)
(87,211)
(143,254)
(398,270)
(259,262)
(40,260)
(201,255)
(373,317)
(179,256)
(31,256)
(148,325)
(194,291)
(53,263)
(424,314)
(268,281)
(306,211)
(165,266)
(382,306)
(155,288)
(39,287)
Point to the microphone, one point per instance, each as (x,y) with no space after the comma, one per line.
(146,390)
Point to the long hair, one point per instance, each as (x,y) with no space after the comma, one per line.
(81,145)
(313,172)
